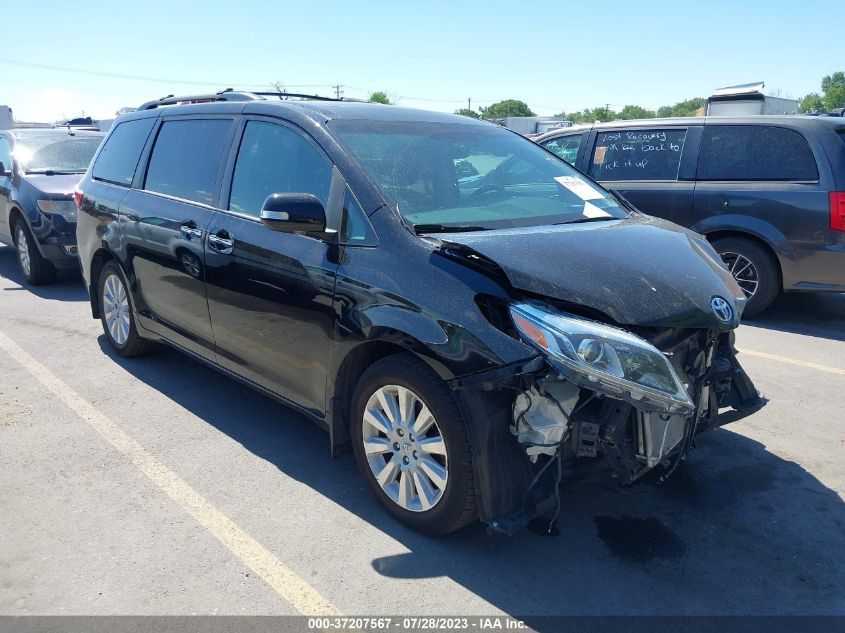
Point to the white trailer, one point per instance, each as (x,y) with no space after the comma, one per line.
(533,124)
(748,99)
(7,120)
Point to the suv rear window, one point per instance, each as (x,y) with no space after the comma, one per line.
(565,147)
(118,159)
(186,158)
(754,152)
(638,154)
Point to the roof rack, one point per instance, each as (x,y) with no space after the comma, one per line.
(230,94)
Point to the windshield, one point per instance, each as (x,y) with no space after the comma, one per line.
(38,154)
(447,176)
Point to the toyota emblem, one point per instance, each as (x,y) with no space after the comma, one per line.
(722,309)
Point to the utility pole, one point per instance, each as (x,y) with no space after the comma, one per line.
(469,103)
(337,91)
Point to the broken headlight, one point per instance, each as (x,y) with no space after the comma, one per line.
(603,358)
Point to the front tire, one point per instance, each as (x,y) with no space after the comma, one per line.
(35,268)
(116,313)
(411,445)
(753,268)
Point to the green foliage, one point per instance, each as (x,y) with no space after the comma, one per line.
(636,112)
(833,87)
(467,112)
(811,103)
(689,107)
(508,107)
(832,96)
(380,96)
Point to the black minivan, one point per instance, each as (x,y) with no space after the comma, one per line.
(767,191)
(460,307)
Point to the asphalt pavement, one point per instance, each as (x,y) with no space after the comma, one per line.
(159,486)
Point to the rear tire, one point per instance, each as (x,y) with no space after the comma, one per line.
(425,460)
(116,313)
(755,270)
(35,268)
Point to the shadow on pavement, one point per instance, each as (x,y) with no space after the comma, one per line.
(814,314)
(68,287)
(739,530)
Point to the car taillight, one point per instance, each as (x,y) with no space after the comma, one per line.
(837,210)
(77,198)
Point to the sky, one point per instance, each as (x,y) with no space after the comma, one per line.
(94,57)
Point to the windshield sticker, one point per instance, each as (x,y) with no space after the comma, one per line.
(580,188)
(592,211)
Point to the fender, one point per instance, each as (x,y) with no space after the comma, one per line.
(755,227)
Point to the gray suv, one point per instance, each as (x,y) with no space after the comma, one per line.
(767,191)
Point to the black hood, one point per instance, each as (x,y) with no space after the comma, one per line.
(638,271)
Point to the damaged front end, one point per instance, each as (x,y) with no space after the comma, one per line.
(632,399)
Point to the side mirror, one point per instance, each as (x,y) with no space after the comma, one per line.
(3,171)
(294,213)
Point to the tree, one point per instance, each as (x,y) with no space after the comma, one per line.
(636,112)
(379,96)
(833,87)
(467,112)
(811,103)
(690,107)
(508,107)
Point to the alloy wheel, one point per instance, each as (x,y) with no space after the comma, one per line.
(404,448)
(23,251)
(744,272)
(116,309)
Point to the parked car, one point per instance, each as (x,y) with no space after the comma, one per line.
(463,335)
(767,191)
(39,169)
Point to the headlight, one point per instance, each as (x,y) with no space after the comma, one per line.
(604,359)
(64,208)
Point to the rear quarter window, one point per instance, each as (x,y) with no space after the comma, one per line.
(119,156)
(755,152)
(638,154)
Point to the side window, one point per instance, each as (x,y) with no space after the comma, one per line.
(754,152)
(638,155)
(186,158)
(565,147)
(276,159)
(118,159)
(356,227)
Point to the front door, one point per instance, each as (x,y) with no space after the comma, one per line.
(163,229)
(270,293)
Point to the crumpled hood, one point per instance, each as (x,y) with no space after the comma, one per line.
(60,185)
(638,271)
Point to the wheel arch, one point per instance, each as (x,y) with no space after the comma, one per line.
(762,243)
(98,260)
(344,379)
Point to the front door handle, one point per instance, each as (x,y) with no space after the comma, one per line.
(221,242)
(189,229)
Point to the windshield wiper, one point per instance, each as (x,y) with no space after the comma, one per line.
(445,228)
(52,172)
(603,218)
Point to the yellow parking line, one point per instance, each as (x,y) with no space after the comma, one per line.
(793,361)
(302,596)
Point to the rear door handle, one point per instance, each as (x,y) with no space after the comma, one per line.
(222,242)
